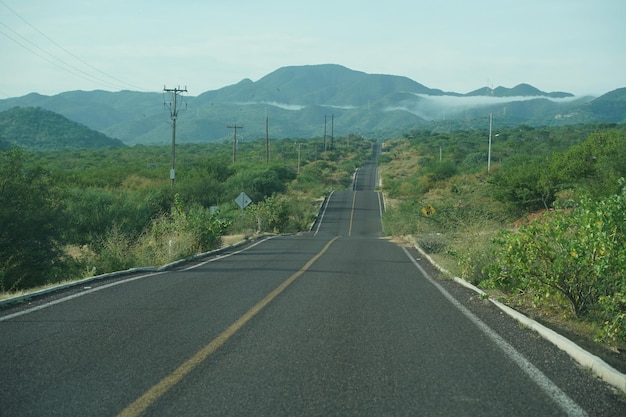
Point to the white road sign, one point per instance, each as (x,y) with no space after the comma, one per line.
(243,200)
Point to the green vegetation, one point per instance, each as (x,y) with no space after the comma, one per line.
(39,129)
(576,256)
(70,214)
(545,228)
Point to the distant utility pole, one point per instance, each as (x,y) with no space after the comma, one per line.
(234,140)
(267,139)
(174,115)
(324,133)
(299,144)
(332,131)
(489,151)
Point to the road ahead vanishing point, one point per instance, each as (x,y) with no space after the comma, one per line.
(336,322)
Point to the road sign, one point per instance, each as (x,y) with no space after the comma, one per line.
(243,200)
(428,211)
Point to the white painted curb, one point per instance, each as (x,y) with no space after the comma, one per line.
(588,360)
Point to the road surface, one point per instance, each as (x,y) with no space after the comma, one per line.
(337,322)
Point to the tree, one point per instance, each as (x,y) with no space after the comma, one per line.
(597,163)
(527,182)
(31,226)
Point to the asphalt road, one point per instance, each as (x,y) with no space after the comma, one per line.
(337,322)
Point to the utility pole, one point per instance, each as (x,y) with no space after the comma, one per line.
(235,127)
(267,139)
(299,144)
(173,115)
(489,151)
(324,133)
(332,132)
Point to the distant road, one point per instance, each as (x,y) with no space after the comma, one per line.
(338,322)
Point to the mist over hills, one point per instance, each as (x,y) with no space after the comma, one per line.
(297,100)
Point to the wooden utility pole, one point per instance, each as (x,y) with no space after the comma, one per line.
(332,131)
(235,127)
(324,133)
(174,115)
(489,151)
(299,144)
(267,139)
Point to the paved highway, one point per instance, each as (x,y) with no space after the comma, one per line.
(337,322)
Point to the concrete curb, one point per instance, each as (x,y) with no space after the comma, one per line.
(586,359)
(87,280)
(75,284)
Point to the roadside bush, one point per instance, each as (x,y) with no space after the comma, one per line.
(32,226)
(431,243)
(184,232)
(578,254)
(114,252)
(272,214)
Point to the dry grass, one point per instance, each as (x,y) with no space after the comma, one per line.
(84,252)
(230,240)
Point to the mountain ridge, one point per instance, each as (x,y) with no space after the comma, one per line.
(296,100)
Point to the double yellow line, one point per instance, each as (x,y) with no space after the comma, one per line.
(157,391)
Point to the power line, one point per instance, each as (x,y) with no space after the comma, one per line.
(57,62)
(122,84)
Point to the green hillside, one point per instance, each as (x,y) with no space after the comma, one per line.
(37,129)
(295,99)
(610,107)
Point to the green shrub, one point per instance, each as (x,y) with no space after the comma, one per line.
(32,226)
(115,252)
(579,254)
(431,243)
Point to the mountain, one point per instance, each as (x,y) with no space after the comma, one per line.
(311,85)
(520,90)
(610,107)
(37,129)
(295,100)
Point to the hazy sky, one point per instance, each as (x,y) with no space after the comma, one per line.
(578,46)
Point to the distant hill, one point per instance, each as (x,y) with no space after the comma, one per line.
(520,90)
(37,129)
(314,85)
(611,107)
(296,99)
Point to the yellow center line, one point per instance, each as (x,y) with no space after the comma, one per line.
(352,213)
(153,394)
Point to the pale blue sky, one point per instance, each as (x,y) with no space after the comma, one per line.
(577,46)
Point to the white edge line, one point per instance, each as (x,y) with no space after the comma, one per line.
(112,284)
(71,297)
(217,258)
(569,406)
(588,360)
(595,364)
(87,280)
(319,223)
